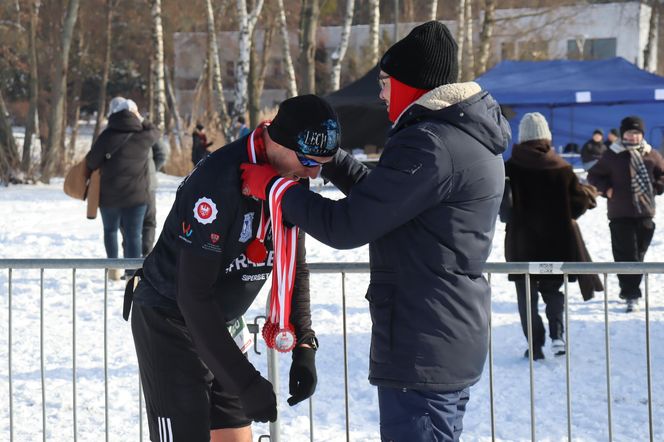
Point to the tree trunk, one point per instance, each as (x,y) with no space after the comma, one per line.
(77,87)
(469,54)
(101,105)
(652,30)
(33,88)
(339,54)
(257,70)
(54,144)
(159,117)
(214,70)
(307,62)
(485,37)
(173,107)
(461,34)
(8,153)
(291,88)
(374,31)
(247,22)
(432,10)
(198,95)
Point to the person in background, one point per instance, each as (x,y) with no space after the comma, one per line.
(546,198)
(629,174)
(241,128)
(612,137)
(122,153)
(199,144)
(428,211)
(158,156)
(214,254)
(593,149)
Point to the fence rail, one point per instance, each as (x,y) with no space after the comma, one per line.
(550,268)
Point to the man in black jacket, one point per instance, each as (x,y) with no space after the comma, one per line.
(428,212)
(213,256)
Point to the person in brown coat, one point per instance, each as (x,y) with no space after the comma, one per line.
(629,174)
(546,199)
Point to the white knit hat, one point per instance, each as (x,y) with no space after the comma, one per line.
(533,126)
(117,104)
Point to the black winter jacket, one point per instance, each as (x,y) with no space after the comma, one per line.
(122,151)
(428,211)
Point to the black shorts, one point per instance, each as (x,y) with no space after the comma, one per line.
(182,398)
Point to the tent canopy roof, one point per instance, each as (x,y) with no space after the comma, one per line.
(567,82)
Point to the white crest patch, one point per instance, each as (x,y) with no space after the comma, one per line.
(205,210)
(247,227)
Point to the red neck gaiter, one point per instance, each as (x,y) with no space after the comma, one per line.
(401,96)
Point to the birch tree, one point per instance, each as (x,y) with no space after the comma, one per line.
(374,31)
(469,53)
(54,144)
(307,63)
(652,36)
(32,125)
(340,52)
(101,102)
(215,68)
(247,22)
(81,55)
(291,86)
(461,33)
(485,36)
(159,117)
(432,10)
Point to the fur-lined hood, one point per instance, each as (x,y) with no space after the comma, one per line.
(465,106)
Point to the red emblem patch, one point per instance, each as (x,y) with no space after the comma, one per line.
(204,210)
(214,237)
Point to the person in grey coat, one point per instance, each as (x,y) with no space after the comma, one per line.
(428,211)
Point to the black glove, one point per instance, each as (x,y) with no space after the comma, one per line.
(258,400)
(302,375)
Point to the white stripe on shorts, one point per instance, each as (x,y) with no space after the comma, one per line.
(165,430)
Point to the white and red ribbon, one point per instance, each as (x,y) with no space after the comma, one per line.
(278,331)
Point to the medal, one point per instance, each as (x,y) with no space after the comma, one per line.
(285,340)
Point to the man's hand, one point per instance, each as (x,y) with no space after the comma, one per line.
(302,375)
(257,179)
(258,400)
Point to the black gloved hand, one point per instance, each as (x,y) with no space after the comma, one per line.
(258,400)
(302,375)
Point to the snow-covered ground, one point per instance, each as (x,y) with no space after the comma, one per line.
(41,222)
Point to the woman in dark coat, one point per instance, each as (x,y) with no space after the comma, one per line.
(122,152)
(546,199)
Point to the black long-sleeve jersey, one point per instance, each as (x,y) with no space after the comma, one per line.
(199,266)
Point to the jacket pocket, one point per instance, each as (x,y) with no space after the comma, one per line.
(381,307)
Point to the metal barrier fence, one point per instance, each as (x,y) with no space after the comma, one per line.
(564,269)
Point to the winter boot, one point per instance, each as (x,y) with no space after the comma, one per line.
(632,305)
(114,274)
(558,347)
(537,353)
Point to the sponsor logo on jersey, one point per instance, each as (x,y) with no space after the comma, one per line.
(259,277)
(214,238)
(241,262)
(186,229)
(205,210)
(247,227)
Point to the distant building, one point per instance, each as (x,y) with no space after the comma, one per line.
(586,32)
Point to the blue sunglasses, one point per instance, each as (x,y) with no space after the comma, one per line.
(305,161)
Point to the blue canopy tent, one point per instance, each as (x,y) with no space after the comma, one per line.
(576,97)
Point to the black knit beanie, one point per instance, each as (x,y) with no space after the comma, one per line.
(425,59)
(306,124)
(632,123)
